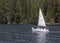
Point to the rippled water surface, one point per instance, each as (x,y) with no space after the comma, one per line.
(24,34)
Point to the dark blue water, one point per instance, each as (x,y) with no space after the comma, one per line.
(24,34)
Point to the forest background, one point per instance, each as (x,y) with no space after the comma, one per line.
(26,11)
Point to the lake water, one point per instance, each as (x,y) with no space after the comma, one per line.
(23,34)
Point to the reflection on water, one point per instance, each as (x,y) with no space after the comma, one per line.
(24,34)
(40,37)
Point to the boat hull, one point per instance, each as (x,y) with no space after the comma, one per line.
(39,30)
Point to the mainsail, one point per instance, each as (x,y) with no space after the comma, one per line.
(41,21)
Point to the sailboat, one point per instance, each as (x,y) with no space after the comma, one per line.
(41,23)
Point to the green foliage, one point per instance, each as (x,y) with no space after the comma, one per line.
(26,11)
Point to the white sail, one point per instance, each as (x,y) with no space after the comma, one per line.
(41,21)
(41,24)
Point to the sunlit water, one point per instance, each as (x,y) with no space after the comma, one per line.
(24,34)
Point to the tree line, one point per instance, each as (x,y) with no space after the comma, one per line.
(26,11)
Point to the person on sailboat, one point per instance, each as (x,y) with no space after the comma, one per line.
(43,27)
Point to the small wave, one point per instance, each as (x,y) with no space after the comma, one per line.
(54,31)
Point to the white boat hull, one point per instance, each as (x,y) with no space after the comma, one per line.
(39,30)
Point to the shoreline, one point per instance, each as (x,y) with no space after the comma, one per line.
(53,23)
